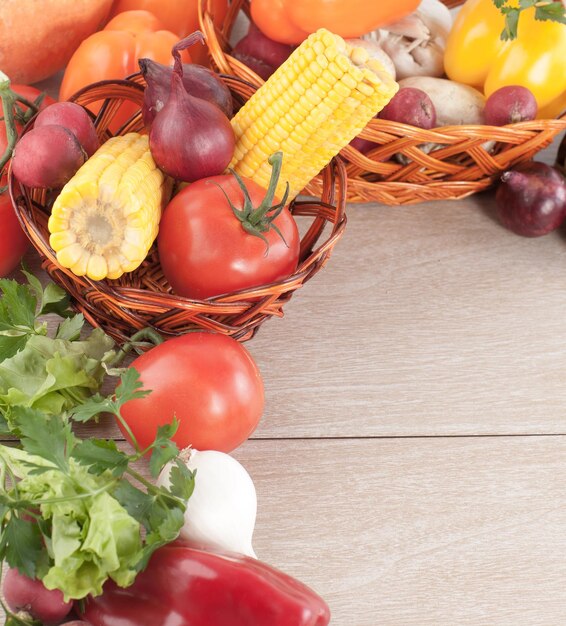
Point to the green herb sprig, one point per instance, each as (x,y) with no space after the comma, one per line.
(72,511)
(75,512)
(545,10)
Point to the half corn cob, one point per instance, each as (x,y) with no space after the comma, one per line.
(106,217)
(310,108)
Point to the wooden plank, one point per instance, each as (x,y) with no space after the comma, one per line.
(415,532)
(439,532)
(428,320)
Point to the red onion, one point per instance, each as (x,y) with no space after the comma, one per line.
(410,106)
(262,69)
(260,53)
(199,81)
(190,138)
(509,105)
(531,199)
(30,596)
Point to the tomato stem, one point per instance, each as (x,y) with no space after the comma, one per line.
(257,221)
(10,100)
(136,342)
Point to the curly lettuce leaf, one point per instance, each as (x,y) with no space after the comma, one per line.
(54,375)
(111,548)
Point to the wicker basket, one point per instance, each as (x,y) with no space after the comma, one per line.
(462,166)
(143,298)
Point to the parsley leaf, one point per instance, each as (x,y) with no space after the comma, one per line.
(182,480)
(17,306)
(17,316)
(129,388)
(101,455)
(544,11)
(70,328)
(22,545)
(138,503)
(511,23)
(164,450)
(50,438)
(555,11)
(52,299)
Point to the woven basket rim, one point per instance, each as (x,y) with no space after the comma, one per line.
(379,174)
(225,312)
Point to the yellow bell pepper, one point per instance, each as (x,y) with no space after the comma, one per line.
(536,59)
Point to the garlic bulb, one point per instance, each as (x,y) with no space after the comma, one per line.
(222,510)
(416,42)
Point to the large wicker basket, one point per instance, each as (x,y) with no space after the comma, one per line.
(143,298)
(459,167)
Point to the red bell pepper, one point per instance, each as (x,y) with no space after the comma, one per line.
(186,586)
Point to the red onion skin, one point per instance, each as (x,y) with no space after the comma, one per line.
(74,118)
(363,145)
(509,105)
(410,106)
(258,46)
(190,138)
(262,69)
(198,81)
(531,199)
(30,595)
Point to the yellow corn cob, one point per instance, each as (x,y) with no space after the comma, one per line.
(106,217)
(310,108)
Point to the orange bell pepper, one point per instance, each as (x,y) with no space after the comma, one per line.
(291,21)
(178,16)
(114,52)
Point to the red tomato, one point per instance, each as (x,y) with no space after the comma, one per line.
(208,381)
(205,251)
(13,240)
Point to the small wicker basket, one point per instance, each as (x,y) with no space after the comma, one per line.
(143,298)
(460,166)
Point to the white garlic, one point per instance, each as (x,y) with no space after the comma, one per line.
(221,512)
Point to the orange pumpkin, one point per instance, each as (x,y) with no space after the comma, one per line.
(38,39)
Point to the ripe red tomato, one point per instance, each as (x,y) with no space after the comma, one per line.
(13,240)
(208,381)
(205,251)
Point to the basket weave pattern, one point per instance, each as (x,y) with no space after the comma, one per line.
(143,298)
(398,170)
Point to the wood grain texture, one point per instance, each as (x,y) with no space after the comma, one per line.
(428,320)
(439,532)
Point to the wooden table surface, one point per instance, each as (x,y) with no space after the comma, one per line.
(411,462)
